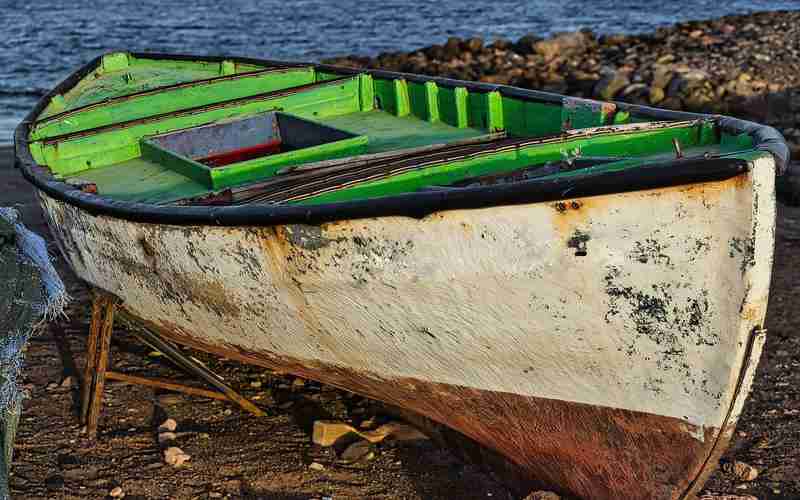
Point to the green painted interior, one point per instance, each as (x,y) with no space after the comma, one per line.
(115,144)
(385,132)
(388,132)
(155,102)
(105,141)
(644,145)
(122,74)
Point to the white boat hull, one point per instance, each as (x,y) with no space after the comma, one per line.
(603,345)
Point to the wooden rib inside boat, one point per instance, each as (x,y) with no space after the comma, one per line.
(576,287)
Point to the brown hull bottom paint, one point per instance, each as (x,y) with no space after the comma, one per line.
(581,450)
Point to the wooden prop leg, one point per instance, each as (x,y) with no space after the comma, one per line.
(196,368)
(99,380)
(87,381)
(96,370)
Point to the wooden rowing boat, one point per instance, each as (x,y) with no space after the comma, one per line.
(578,287)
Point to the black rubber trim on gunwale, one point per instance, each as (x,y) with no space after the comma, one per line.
(417,204)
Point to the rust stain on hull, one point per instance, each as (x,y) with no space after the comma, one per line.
(570,214)
(581,450)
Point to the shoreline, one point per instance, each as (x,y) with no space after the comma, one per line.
(747,66)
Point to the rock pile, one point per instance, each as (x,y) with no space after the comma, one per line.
(746,66)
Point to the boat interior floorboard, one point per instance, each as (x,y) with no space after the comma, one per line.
(388,132)
(142,181)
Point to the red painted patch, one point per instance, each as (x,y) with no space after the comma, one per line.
(242,154)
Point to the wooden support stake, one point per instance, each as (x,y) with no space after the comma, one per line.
(192,366)
(97,358)
(99,381)
(91,355)
(165,384)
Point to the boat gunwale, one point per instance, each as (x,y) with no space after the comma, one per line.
(417,204)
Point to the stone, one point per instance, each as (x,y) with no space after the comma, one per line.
(82,473)
(168,425)
(656,95)
(328,432)
(452,48)
(633,88)
(742,470)
(256,384)
(54,482)
(694,75)
(525,45)
(501,44)
(542,495)
(680,85)
(68,381)
(175,456)
(665,59)
(435,52)
(662,75)
(117,493)
(563,45)
(474,44)
(614,39)
(215,494)
(165,437)
(316,466)
(360,450)
(699,99)
(233,487)
(397,430)
(610,84)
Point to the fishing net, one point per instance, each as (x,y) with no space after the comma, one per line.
(30,294)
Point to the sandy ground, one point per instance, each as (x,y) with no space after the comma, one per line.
(235,455)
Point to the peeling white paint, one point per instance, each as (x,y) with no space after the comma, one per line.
(655,317)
